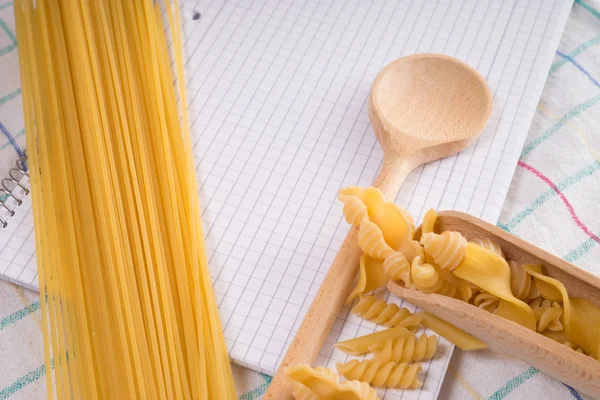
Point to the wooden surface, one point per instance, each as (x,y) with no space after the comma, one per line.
(422,107)
(577,370)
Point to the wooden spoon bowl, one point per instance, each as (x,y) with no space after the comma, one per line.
(422,108)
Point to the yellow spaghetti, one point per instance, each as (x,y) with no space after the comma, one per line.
(128,310)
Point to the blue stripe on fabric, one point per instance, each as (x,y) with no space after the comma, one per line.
(11,140)
(579,67)
(573,392)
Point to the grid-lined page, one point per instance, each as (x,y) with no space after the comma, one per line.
(277,95)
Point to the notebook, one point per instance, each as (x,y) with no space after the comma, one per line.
(277,95)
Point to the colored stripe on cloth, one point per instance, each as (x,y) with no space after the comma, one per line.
(11,140)
(556,127)
(580,49)
(514,383)
(573,392)
(259,391)
(464,383)
(564,199)
(579,67)
(6,98)
(581,250)
(591,9)
(19,315)
(582,135)
(549,194)
(23,381)
(5,145)
(8,32)
(6,5)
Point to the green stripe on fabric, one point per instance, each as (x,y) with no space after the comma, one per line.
(591,9)
(513,384)
(6,5)
(10,96)
(259,391)
(7,49)
(8,32)
(580,250)
(556,127)
(578,50)
(19,315)
(23,381)
(5,145)
(551,193)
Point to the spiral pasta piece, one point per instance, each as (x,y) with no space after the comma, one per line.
(371,241)
(382,374)
(487,301)
(427,279)
(370,277)
(389,226)
(324,384)
(407,218)
(406,350)
(301,392)
(424,276)
(428,225)
(397,268)
(490,245)
(380,312)
(447,249)
(521,283)
(355,211)
(547,314)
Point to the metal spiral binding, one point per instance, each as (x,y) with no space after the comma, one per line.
(9,184)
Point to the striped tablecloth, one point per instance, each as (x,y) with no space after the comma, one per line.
(553,202)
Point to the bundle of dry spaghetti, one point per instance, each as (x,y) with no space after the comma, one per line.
(127,304)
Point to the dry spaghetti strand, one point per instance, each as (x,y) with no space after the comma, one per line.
(128,309)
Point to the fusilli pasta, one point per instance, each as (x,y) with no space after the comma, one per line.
(397,268)
(380,312)
(490,245)
(447,249)
(370,277)
(355,211)
(521,283)
(428,225)
(371,241)
(487,301)
(428,280)
(547,314)
(382,374)
(406,350)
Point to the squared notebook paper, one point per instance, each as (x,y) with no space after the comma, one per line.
(277,95)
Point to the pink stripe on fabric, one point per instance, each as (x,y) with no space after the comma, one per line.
(563,198)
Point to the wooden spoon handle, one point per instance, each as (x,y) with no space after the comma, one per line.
(334,290)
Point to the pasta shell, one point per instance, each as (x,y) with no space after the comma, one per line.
(324,383)
(490,245)
(447,249)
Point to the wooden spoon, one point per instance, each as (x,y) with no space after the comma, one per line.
(422,107)
(577,370)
